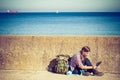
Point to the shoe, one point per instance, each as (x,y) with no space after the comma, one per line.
(86,73)
(98,73)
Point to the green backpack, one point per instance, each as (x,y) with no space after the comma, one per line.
(62,64)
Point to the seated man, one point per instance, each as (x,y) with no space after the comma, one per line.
(80,61)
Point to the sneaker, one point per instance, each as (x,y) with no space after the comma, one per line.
(98,73)
(86,73)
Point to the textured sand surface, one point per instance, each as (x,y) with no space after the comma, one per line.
(44,75)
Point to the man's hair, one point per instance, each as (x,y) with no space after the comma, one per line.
(86,49)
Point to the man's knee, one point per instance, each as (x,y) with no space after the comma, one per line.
(87,62)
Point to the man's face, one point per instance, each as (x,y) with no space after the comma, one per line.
(85,54)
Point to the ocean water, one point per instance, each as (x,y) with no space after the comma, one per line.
(67,23)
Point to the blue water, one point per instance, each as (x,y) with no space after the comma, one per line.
(69,23)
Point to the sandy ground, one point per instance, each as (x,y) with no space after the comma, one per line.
(45,75)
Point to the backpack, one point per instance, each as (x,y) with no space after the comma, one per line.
(62,65)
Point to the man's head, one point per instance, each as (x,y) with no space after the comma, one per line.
(85,50)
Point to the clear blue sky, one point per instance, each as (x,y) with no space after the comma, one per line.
(61,5)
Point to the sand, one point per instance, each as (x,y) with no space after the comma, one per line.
(45,75)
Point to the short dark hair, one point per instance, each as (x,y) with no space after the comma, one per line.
(86,49)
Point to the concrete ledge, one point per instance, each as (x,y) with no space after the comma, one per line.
(35,52)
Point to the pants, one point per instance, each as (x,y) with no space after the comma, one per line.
(85,62)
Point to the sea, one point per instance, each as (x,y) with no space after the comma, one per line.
(62,23)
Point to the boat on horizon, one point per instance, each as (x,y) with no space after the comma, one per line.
(11,11)
(57,11)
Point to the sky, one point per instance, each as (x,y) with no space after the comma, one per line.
(61,5)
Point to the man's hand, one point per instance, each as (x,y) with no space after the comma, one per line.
(94,67)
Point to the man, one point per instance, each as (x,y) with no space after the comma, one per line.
(80,62)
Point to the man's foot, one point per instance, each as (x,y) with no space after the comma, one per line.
(98,73)
(86,73)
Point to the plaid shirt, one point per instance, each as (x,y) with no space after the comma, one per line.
(76,61)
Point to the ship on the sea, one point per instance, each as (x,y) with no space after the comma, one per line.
(11,11)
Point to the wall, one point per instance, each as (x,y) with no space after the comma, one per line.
(35,52)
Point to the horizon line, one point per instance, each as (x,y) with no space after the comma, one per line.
(63,12)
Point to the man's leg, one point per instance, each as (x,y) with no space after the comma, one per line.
(88,63)
(94,71)
(76,70)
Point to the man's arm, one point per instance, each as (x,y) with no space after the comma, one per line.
(88,67)
(80,64)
